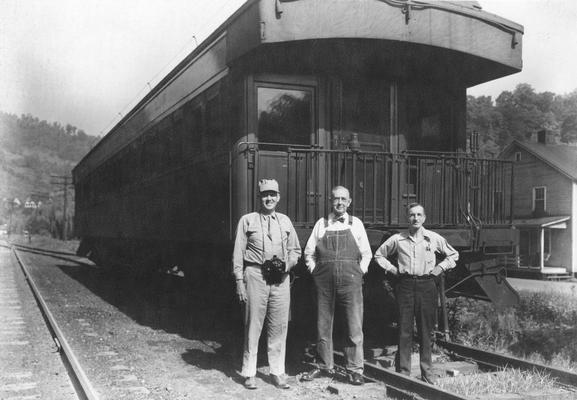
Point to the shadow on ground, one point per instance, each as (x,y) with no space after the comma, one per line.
(206,312)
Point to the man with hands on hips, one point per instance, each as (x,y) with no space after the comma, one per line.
(416,251)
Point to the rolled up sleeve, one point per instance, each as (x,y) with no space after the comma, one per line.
(311,247)
(364,247)
(293,247)
(388,248)
(451,255)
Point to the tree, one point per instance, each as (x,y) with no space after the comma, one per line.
(569,129)
(520,114)
(566,109)
(483,118)
(525,112)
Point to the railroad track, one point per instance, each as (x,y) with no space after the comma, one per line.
(402,386)
(78,377)
(397,385)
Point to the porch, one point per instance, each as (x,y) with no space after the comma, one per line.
(539,256)
(515,270)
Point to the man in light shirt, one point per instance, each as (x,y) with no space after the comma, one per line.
(416,251)
(262,236)
(338,254)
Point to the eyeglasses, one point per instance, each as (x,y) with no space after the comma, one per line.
(268,193)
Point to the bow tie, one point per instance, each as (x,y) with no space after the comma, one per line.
(340,219)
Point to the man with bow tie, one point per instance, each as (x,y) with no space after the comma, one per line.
(338,254)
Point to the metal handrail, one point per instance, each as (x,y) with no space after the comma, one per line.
(457,189)
(444,155)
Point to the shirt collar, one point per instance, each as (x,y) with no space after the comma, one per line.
(273,215)
(424,232)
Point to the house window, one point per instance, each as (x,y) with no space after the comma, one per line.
(539,199)
(518,156)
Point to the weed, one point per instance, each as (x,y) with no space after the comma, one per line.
(543,327)
(508,380)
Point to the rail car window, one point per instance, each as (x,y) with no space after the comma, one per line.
(176,142)
(214,120)
(427,115)
(284,115)
(134,162)
(193,128)
(366,112)
(151,153)
(164,137)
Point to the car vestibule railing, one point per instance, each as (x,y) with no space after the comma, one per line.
(457,189)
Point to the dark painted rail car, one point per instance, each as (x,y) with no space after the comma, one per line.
(370,94)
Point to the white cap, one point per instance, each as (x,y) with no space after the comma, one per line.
(268,185)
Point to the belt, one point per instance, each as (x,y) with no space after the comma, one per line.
(416,277)
(251,264)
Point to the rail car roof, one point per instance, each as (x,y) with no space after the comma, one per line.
(491,45)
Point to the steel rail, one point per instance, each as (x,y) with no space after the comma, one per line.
(79,379)
(499,360)
(404,383)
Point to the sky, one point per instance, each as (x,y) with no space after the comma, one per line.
(86,62)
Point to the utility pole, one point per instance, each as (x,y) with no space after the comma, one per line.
(10,218)
(64,181)
(11,203)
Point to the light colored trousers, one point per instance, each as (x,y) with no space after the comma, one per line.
(270,303)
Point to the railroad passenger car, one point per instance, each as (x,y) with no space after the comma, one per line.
(370,94)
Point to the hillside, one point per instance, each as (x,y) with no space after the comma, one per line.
(32,150)
(35,156)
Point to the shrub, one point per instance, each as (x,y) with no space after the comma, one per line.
(542,327)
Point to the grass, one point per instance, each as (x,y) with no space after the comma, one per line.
(509,380)
(542,328)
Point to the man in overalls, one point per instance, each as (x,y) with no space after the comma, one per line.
(337,254)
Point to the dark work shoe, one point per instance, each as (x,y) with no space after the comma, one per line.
(317,373)
(280,381)
(357,379)
(311,375)
(250,383)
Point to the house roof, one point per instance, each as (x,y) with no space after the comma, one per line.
(542,222)
(560,157)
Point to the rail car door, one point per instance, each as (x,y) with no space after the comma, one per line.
(363,121)
(432,119)
(283,112)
